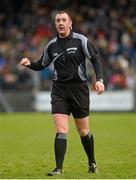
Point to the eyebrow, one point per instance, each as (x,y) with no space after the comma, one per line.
(61,18)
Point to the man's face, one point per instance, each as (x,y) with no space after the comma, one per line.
(63,24)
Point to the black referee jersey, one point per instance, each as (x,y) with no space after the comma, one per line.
(68,56)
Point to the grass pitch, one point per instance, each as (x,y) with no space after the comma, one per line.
(26,147)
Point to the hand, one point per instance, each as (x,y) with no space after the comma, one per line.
(25,62)
(99,87)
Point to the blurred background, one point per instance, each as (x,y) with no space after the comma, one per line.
(27,26)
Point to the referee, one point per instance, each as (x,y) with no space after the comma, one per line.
(70,93)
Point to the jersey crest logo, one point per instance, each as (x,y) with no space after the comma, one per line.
(55,54)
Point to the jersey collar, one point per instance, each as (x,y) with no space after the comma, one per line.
(68,37)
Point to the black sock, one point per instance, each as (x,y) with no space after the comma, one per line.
(60,145)
(88,144)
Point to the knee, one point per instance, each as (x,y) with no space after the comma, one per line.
(62,129)
(83,131)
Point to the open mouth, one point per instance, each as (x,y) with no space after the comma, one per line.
(61,28)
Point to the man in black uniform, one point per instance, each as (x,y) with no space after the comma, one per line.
(70,94)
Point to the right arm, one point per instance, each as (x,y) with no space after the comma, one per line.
(38,65)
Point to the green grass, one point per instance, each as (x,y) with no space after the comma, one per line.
(26,147)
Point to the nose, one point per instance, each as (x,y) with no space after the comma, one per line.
(60,22)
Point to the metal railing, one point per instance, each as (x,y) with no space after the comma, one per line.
(5,103)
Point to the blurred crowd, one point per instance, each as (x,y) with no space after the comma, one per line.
(26,27)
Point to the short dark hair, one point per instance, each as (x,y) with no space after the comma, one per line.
(62,12)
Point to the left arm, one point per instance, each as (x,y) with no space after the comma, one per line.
(99,85)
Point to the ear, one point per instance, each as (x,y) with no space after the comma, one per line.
(70,25)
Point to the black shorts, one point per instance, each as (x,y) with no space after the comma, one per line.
(70,98)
